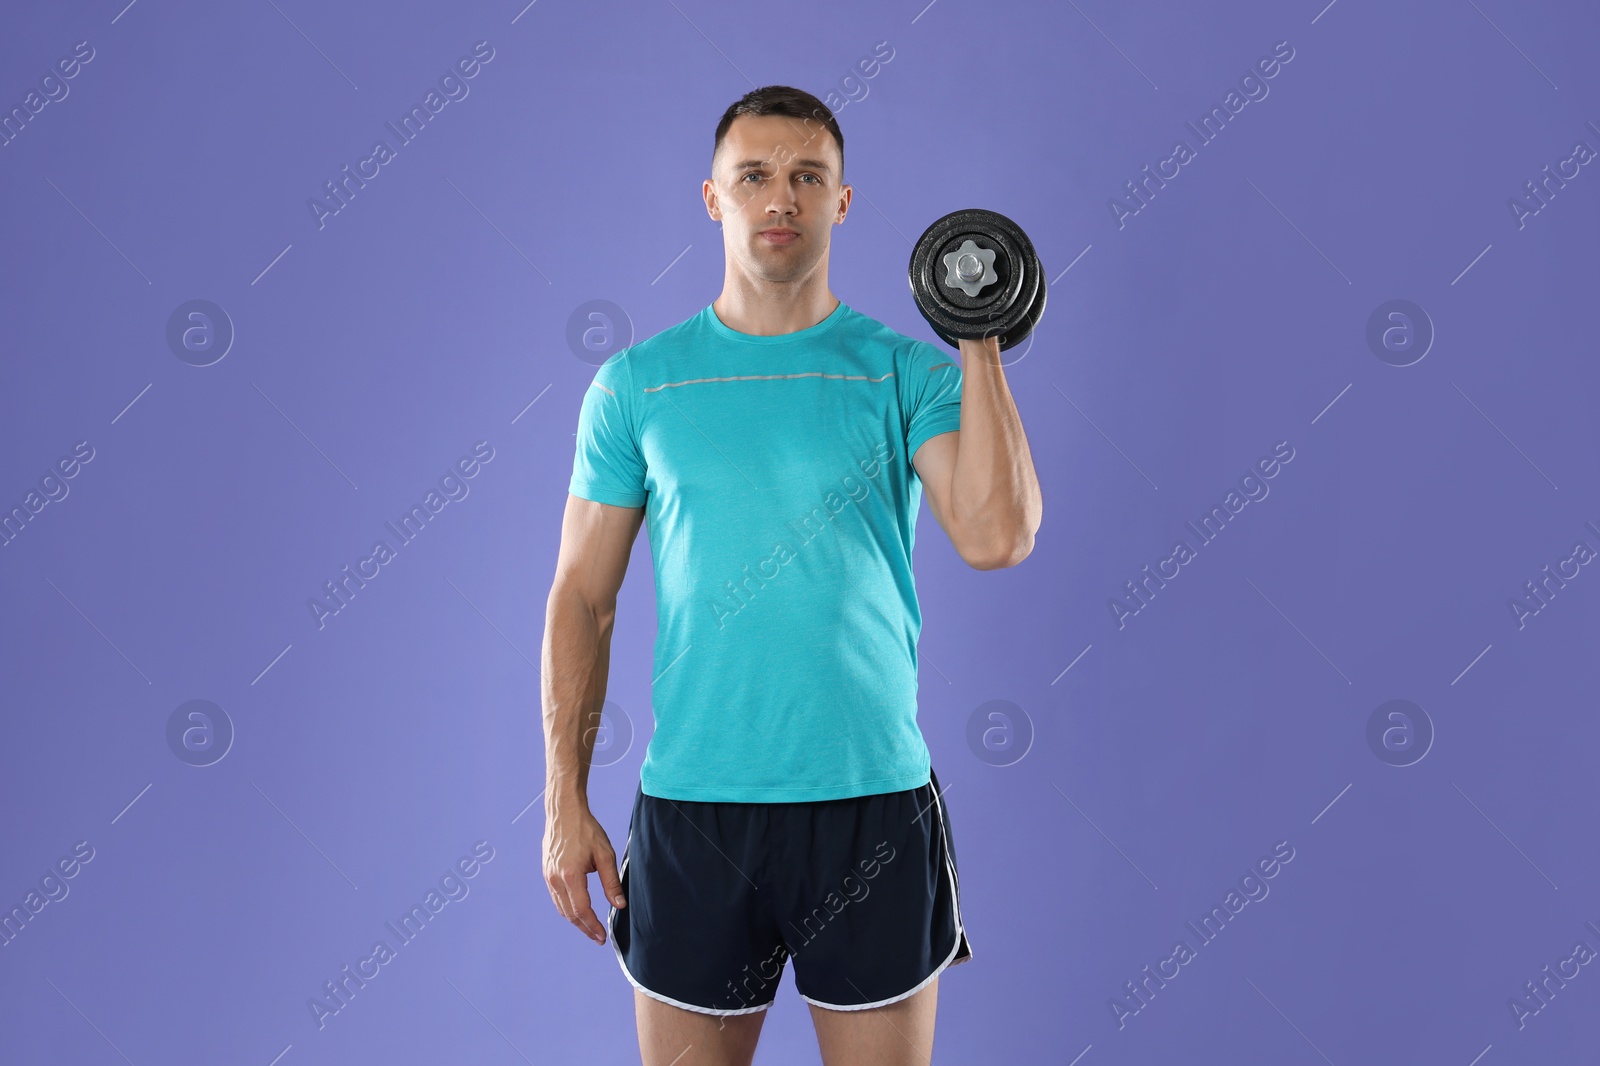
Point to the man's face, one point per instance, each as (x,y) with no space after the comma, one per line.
(776,173)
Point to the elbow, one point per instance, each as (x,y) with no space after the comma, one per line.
(1000,543)
(1005,557)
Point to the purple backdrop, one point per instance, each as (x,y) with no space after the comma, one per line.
(218,397)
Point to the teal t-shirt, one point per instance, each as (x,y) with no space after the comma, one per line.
(781,503)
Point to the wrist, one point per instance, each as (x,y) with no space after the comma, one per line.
(985,351)
(565,795)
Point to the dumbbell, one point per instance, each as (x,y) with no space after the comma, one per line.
(974,274)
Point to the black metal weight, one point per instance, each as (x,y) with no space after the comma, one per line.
(974,274)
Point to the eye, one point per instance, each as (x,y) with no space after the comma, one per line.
(752,174)
(813,177)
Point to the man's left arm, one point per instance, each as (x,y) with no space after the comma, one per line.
(979,480)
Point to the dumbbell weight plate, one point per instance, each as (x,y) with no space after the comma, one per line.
(964,311)
(1031,319)
(1017,334)
(1005,302)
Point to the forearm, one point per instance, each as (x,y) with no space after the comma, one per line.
(576,661)
(994,495)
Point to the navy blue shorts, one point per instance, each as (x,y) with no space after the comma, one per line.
(862,892)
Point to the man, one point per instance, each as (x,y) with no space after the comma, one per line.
(779,443)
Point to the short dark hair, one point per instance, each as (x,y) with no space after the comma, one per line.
(781,100)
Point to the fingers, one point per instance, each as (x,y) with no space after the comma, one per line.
(582,914)
(558,893)
(569,888)
(566,873)
(610,883)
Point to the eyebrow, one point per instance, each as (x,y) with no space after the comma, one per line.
(757,164)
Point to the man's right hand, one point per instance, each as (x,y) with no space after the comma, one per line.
(576,845)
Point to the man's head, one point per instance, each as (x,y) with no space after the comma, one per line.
(777,164)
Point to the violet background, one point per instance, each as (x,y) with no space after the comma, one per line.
(432,312)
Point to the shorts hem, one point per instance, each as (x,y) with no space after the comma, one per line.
(611,927)
(920,985)
(961,933)
(678,1002)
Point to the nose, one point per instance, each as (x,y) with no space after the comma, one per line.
(781,201)
(780,207)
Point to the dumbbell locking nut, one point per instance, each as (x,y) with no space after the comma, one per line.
(969,268)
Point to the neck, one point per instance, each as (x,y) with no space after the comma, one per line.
(768,308)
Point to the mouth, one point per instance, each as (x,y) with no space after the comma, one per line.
(779,235)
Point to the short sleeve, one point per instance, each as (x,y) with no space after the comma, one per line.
(608,464)
(930,395)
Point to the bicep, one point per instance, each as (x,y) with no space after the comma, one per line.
(596,543)
(935,463)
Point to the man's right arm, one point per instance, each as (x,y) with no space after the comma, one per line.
(596,542)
